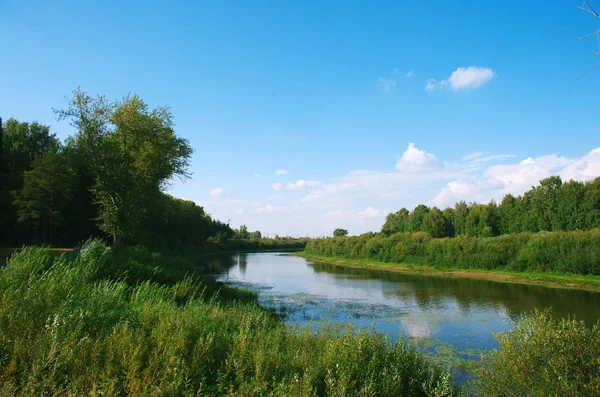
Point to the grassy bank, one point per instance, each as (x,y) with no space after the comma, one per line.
(555,280)
(99,321)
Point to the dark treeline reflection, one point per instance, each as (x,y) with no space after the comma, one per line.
(429,292)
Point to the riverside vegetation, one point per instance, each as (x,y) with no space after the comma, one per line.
(122,321)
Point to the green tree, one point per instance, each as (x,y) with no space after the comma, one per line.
(45,194)
(22,144)
(461,212)
(243,232)
(436,224)
(396,222)
(340,232)
(133,152)
(544,203)
(416,218)
(482,220)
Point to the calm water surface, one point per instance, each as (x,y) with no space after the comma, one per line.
(447,318)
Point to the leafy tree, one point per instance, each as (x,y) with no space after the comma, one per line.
(416,218)
(22,144)
(133,152)
(45,194)
(396,222)
(340,232)
(243,232)
(461,212)
(436,223)
(482,220)
(255,235)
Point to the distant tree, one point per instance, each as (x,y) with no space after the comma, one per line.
(416,218)
(449,214)
(482,220)
(436,223)
(22,144)
(243,232)
(255,235)
(133,153)
(45,194)
(396,222)
(340,232)
(461,212)
(544,203)
(570,206)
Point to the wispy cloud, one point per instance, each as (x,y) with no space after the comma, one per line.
(217,192)
(409,74)
(281,172)
(256,175)
(301,184)
(369,212)
(386,84)
(268,209)
(276,186)
(461,79)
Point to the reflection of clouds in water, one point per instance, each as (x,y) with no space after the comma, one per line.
(420,326)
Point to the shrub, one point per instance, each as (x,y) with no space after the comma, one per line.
(543,357)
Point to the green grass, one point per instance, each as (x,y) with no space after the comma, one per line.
(99,321)
(549,279)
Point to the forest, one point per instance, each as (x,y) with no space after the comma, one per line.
(553,205)
(551,228)
(108,181)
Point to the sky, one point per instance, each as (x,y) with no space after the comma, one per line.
(305,116)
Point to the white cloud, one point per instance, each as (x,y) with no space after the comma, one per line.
(359,200)
(498,180)
(217,192)
(386,84)
(281,172)
(416,160)
(409,74)
(276,186)
(269,208)
(257,175)
(462,78)
(301,184)
(369,212)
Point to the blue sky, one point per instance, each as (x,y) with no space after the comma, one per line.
(332,92)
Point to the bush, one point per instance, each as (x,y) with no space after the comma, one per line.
(129,322)
(573,252)
(543,357)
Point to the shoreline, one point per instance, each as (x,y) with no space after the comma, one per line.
(550,280)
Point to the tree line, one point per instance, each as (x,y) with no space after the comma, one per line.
(553,205)
(107,180)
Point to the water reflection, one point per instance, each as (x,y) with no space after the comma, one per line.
(443,316)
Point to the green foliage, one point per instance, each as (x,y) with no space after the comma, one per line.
(572,252)
(128,322)
(340,232)
(133,152)
(45,194)
(550,206)
(543,356)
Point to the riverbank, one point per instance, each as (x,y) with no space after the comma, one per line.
(552,280)
(127,321)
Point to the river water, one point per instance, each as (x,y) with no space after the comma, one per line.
(452,320)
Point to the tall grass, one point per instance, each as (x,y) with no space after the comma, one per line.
(543,356)
(128,322)
(575,252)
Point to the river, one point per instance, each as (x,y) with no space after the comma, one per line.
(450,319)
